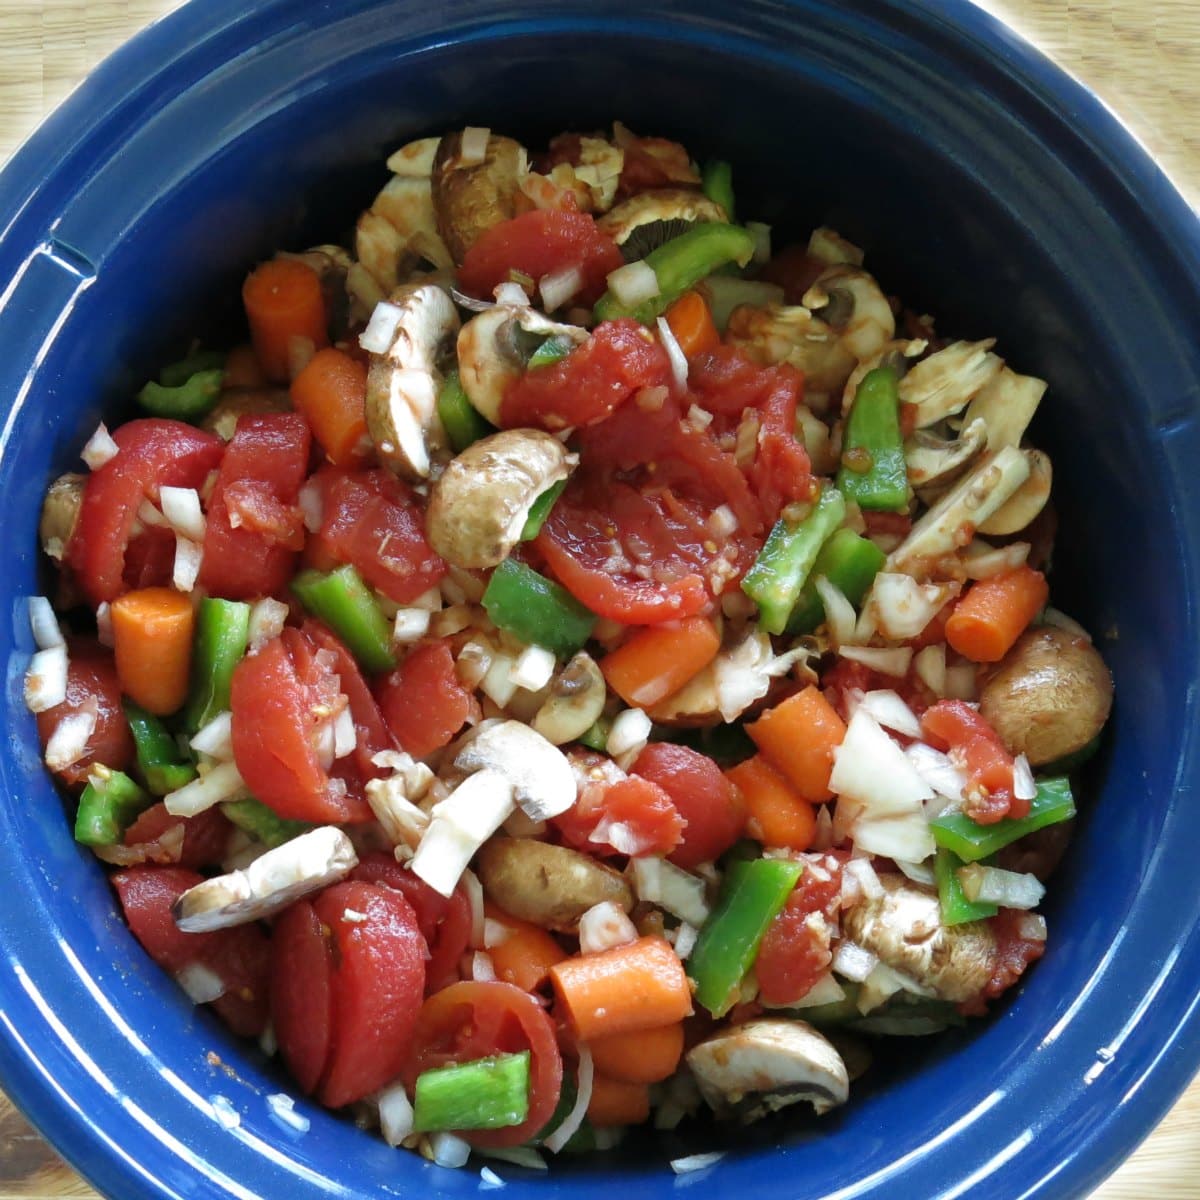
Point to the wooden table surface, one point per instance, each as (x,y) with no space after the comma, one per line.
(1141,56)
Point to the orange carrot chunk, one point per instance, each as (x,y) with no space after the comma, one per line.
(152,645)
(995,612)
(525,954)
(775,814)
(284,304)
(638,986)
(658,660)
(644,1056)
(798,738)
(331,392)
(616,1102)
(691,322)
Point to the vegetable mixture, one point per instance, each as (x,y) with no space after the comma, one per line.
(574,666)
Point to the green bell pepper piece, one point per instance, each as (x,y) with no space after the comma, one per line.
(161,764)
(255,818)
(783,565)
(173,374)
(717,182)
(550,351)
(110,803)
(463,422)
(595,737)
(956,908)
(189,401)
(850,563)
(536,610)
(679,265)
(222,634)
(973,842)
(343,602)
(873,471)
(753,894)
(488,1093)
(539,510)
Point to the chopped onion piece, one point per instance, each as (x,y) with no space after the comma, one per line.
(675,354)
(149,514)
(930,665)
(519,1156)
(840,616)
(430,601)
(511,295)
(474,890)
(696,1162)
(483,970)
(630,731)
(893,661)
(633,284)
(823,835)
(1032,927)
(1024,785)
(472,145)
(449,1150)
(721,523)
(99,449)
(982,561)
(68,743)
(104,629)
(991,885)
(937,770)
(603,927)
(395,1114)
(1060,620)
(680,893)
(918,872)
(181,507)
(380,332)
(226,1115)
(345,736)
(686,937)
(267,618)
(46,679)
(871,769)
(410,625)
(881,984)
(283,1109)
(44,624)
(863,874)
(762,240)
(216,738)
(309,500)
(533,669)
(494,933)
(497,684)
(902,607)
(559,287)
(489,1179)
(188,557)
(583,1097)
(826,990)
(202,984)
(891,712)
(851,961)
(223,782)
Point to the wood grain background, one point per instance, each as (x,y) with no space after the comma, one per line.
(1140,56)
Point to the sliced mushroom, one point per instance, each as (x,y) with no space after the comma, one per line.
(1026,502)
(414,160)
(898,354)
(749,1070)
(469,198)
(848,299)
(933,460)
(1006,404)
(951,522)
(830,247)
(776,333)
(645,221)
(479,505)
(236,403)
(403,384)
(551,886)
(903,929)
(274,880)
(575,703)
(541,777)
(492,351)
(60,513)
(944,383)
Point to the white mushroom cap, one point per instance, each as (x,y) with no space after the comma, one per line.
(542,780)
(306,864)
(931,459)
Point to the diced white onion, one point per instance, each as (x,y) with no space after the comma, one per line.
(223,782)
(583,1097)
(511,295)
(696,1162)
(982,561)
(1024,786)
(840,616)
(680,893)
(46,679)
(851,961)
(698,418)
(630,730)
(482,968)
(871,769)
(622,836)
(1060,620)
(410,625)
(380,332)
(892,713)
(605,926)
(311,506)
(395,1114)
(345,736)
(104,629)
(519,1156)
(863,874)
(68,743)
(181,508)
(497,684)
(918,872)
(267,618)
(202,984)
(99,449)
(762,240)
(533,669)
(283,1109)
(721,523)
(929,663)
(823,836)
(226,1115)
(991,885)
(1032,927)
(473,144)
(675,354)
(474,890)
(633,284)
(44,624)
(686,937)
(430,601)
(188,557)
(937,770)
(216,738)
(494,933)
(559,286)
(442,856)
(902,607)
(449,1150)
(826,990)
(877,988)
(892,661)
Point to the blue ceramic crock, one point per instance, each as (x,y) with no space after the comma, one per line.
(987,188)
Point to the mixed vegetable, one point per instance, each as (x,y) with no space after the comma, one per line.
(573,666)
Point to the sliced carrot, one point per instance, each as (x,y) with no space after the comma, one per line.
(995,612)
(692,324)
(283,303)
(658,660)
(526,953)
(331,392)
(775,814)
(152,644)
(644,1056)
(242,368)
(641,985)
(798,738)
(616,1102)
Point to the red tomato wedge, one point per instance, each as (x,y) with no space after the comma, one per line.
(254,526)
(205,835)
(239,957)
(371,520)
(347,979)
(538,243)
(279,697)
(152,452)
(471,1020)
(955,726)
(709,804)
(422,700)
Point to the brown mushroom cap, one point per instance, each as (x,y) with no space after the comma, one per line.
(471,199)
(1050,695)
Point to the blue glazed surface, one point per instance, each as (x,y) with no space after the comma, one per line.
(986,187)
